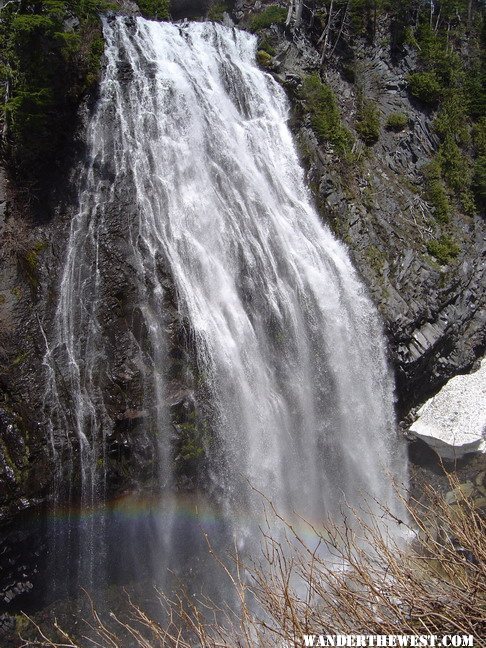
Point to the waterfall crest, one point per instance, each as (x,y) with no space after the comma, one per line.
(190,137)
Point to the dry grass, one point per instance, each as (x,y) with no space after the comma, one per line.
(433,584)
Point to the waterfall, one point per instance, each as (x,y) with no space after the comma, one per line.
(189,144)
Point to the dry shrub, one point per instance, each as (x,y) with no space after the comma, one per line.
(435,583)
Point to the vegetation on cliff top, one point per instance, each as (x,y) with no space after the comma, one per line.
(158,9)
(449,42)
(449,79)
(50,53)
(272,15)
(445,43)
(448,37)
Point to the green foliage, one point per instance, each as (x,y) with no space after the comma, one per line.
(436,55)
(158,9)
(263,58)
(454,165)
(216,11)
(479,137)
(368,121)
(25,26)
(46,68)
(453,129)
(438,39)
(479,181)
(452,118)
(360,15)
(363,14)
(272,15)
(191,447)
(28,259)
(32,256)
(468,200)
(320,101)
(69,43)
(93,60)
(21,624)
(478,184)
(28,117)
(475,89)
(435,192)
(451,77)
(397,121)
(426,87)
(409,37)
(444,249)
(267,44)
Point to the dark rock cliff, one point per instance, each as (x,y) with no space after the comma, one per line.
(433,313)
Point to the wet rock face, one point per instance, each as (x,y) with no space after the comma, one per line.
(27,463)
(23,552)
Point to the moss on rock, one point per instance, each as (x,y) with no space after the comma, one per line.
(263,58)
(397,121)
(444,249)
(320,102)
(49,53)
(368,121)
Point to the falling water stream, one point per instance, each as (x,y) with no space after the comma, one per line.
(194,137)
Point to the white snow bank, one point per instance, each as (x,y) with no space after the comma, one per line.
(453,423)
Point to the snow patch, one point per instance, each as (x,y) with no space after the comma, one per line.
(453,423)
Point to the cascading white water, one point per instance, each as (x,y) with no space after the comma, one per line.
(286,338)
